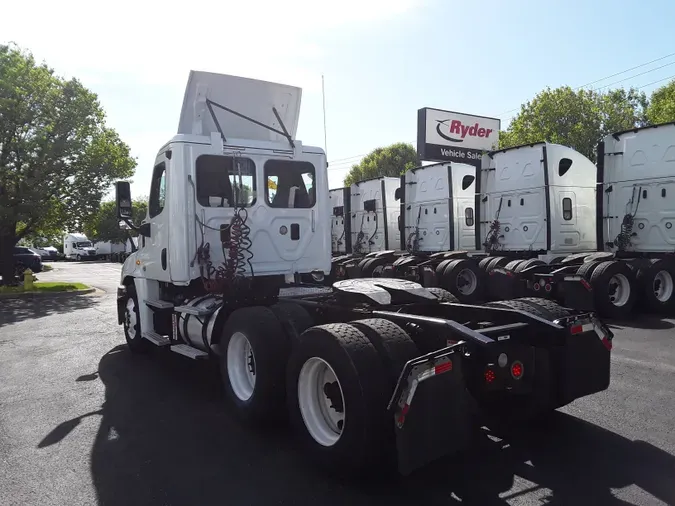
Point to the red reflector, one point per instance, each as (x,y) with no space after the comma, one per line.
(607,343)
(536,287)
(489,376)
(577,329)
(548,287)
(517,370)
(440,369)
(586,284)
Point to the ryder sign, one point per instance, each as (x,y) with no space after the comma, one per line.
(444,136)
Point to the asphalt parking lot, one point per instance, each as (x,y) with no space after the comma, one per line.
(82,421)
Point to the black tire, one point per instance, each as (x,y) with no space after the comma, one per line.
(603,290)
(513,264)
(528,263)
(553,308)
(362,263)
(586,269)
(440,268)
(657,276)
(132,331)
(482,265)
(496,262)
(452,282)
(78,258)
(442,294)
(294,318)
(520,305)
(368,269)
(556,260)
(365,436)
(270,349)
(393,345)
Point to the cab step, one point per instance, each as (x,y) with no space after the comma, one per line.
(189,351)
(156,339)
(196,311)
(159,304)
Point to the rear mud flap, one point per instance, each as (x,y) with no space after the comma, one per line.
(502,285)
(438,422)
(577,293)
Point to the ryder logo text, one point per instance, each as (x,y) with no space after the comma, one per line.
(459,131)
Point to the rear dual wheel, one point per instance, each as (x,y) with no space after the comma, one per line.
(339,380)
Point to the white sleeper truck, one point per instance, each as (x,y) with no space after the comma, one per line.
(78,247)
(340,221)
(371,372)
(438,229)
(596,237)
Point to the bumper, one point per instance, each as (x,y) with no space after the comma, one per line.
(121,303)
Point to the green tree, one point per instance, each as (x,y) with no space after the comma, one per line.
(388,161)
(662,104)
(104,224)
(575,118)
(57,156)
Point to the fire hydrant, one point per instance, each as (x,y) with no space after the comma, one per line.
(27,279)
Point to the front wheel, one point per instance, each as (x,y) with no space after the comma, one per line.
(337,397)
(132,324)
(78,258)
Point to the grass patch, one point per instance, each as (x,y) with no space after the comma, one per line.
(45,287)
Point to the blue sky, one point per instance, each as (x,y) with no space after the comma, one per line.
(382,60)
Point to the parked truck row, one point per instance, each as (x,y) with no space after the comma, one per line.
(77,246)
(372,373)
(534,220)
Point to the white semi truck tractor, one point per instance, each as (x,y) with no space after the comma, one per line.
(373,373)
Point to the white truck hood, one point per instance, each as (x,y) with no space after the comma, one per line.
(250,97)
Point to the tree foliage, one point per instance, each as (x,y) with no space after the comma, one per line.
(104,224)
(388,161)
(57,156)
(662,104)
(575,118)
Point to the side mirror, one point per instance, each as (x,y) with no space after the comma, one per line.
(123,199)
(398,193)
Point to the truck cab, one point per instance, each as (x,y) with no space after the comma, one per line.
(538,198)
(439,207)
(203,178)
(374,215)
(340,220)
(78,247)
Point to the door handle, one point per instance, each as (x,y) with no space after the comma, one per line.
(164,259)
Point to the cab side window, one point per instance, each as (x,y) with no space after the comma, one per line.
(157,190)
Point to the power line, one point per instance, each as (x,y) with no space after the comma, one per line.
(346,163)
(612,75)
(637,75)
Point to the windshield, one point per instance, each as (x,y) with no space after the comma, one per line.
(85,244)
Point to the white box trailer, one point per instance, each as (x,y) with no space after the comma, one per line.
(214,277)
(108,250)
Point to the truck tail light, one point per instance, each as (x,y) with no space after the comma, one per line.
(517,370)
(490,375)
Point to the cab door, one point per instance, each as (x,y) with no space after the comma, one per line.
(154,252)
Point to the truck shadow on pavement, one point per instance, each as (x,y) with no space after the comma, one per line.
(17,310)
(166,438)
